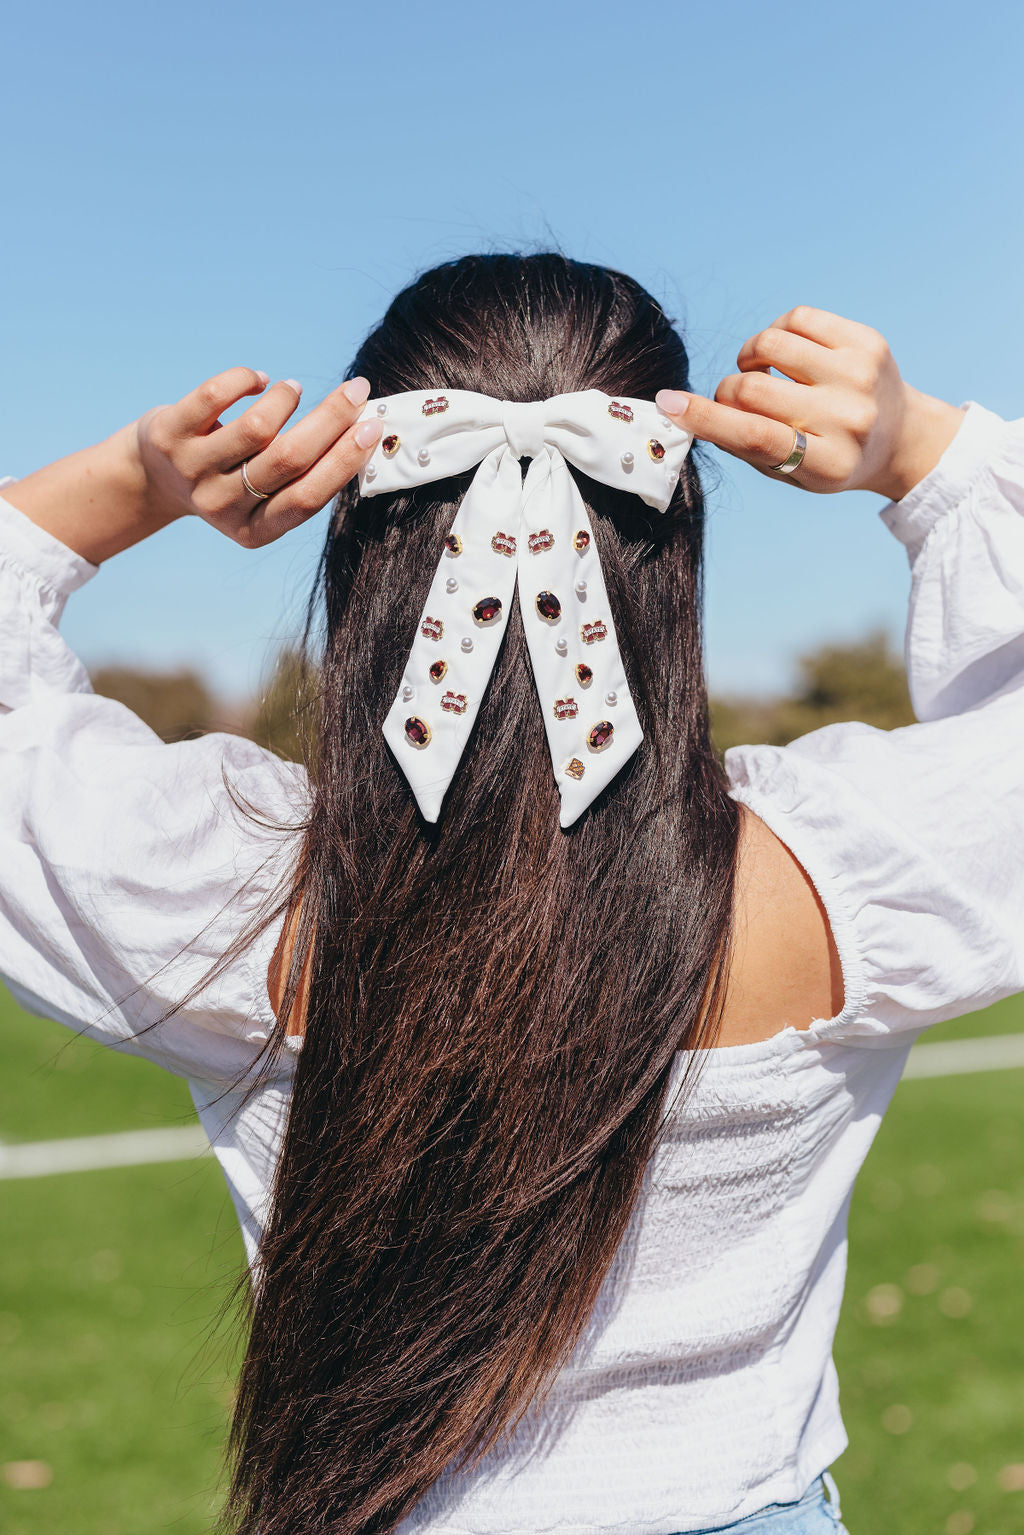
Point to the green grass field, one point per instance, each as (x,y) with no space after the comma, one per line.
(115,1385)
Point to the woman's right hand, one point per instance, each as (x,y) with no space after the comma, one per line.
(866,428)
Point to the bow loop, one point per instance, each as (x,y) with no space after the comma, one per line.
(533,532)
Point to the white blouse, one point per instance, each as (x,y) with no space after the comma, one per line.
(703,1388)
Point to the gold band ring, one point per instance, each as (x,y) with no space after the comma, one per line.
(796,456)
(261,495)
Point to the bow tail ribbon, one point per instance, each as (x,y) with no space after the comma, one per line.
(589,714)
(536,529)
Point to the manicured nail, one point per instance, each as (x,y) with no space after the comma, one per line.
(293,383)
(357,390)
(264,378)
(672,401)
(367,434)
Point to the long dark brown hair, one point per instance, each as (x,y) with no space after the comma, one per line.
(495,1004)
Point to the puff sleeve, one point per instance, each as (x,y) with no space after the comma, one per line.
(126,866)
(914,837)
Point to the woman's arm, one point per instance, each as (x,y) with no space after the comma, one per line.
(866,428)
(180,460)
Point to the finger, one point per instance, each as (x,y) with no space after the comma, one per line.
(807,362)
(302,498)
(290,455)
(198,411)
(758,440)
(761,394)
(826,328)
(252,431)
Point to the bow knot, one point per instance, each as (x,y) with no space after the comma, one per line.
(524,426)
(534,533)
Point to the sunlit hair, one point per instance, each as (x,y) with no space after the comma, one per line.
(495,1003)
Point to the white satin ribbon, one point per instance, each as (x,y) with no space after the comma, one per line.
(534,527)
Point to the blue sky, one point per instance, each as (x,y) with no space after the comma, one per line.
(193,186)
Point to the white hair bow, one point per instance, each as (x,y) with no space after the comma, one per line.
(535,527)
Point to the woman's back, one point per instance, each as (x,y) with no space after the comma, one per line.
(777,915)
(701,1365)
(784,971)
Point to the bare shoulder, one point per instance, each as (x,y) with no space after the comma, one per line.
(277,974)
(785,967)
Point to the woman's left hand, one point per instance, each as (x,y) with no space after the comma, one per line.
(180,460)
(193,463)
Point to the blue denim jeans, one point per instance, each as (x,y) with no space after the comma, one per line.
(816,1513)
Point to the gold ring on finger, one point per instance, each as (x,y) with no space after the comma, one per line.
(796,456)
(261,495)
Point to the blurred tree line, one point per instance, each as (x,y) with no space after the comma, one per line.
(861,680)
(179,705)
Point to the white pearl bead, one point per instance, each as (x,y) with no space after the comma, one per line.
(467,644)
(423,456)
(451,585)
(562,646)
(611,698)
(382,409)
(370,472)
(664,421)
(627,460)
(581,588)
(408,693)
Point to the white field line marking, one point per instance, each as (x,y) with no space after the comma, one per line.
(132,1148)
(86,1153)
(957,1057)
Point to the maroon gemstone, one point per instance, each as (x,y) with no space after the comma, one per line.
(600,735)
(656,450)
(417,731)
(437,670)
(487,610)
(581,540)
(584,675)
(453,545)
(548,606)
(391,445)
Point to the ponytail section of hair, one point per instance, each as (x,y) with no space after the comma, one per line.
(494,1005)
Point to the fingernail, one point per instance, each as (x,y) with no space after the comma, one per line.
(672,401)
(367,433)
(264,378)
(293,383)
(357,390)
